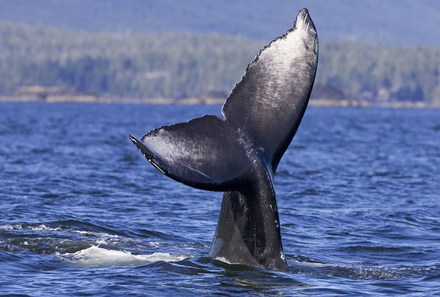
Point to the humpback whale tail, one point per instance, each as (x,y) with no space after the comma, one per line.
(239,153)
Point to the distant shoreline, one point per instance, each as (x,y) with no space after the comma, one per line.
(90,99)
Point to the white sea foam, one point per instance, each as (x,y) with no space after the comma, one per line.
(40,227)
(43,227)
(96,255)
(222,259)
(11,227)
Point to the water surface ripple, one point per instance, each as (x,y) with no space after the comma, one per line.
(82,212)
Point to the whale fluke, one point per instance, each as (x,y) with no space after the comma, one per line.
(196,153)
(239,153)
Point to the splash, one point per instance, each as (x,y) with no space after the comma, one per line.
(96,255)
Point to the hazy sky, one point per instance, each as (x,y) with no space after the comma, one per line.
(372,21)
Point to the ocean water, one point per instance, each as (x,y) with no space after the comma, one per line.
(83,213)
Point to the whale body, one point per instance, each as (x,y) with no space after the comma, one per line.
(239,153)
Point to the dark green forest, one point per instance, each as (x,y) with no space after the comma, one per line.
(183,65)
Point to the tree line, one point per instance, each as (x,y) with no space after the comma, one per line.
(176,65)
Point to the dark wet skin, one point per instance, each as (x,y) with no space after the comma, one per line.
(239,154)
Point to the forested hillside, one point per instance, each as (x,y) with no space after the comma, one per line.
(123,65)
(176,65)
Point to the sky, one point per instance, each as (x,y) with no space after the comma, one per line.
(392,22)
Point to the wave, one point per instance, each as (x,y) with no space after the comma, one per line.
(362,271)
(86,246)
(89,245)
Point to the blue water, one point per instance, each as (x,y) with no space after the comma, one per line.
(83,213)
